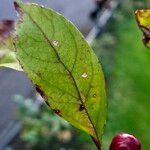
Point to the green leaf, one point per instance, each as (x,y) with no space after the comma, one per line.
(143,19)
(63,67)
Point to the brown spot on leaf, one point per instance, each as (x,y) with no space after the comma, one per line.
(47,103)
(57,111)
(38,89)
(82,107)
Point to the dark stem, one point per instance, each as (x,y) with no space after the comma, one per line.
(97,143)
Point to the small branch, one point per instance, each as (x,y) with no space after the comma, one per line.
(97,143)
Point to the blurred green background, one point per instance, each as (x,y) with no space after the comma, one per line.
(126,64)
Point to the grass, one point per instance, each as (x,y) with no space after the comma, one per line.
(126,64)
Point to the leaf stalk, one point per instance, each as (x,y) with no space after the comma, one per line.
(97,143)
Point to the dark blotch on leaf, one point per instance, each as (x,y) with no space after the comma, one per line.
(57,111)
(39,90)
(82,107)
(47,103)
(42,94)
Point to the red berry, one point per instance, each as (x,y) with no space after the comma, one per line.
(125,142)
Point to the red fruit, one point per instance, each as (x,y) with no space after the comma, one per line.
(125,142)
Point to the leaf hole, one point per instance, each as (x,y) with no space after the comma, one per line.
(84,75)
(55,42)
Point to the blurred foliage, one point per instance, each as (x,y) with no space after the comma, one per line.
(42,129)
(130,5)
(126,65)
